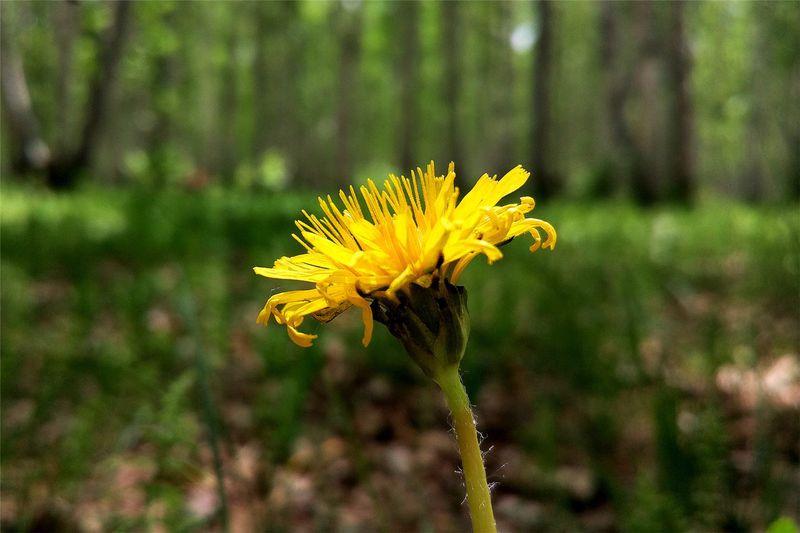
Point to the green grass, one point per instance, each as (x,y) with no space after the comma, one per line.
(601,355)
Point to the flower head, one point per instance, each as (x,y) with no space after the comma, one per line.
(410,232)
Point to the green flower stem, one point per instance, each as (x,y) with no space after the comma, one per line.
(478,498)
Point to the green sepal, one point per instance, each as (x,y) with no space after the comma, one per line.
(431,322)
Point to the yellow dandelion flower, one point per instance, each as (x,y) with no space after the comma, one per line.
(409,232)
(399,256)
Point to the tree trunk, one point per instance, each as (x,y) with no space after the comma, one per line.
(478,151)
(64,172)
(614,94)
(408,78)
(33,152)
(752,186)
(262,94)
(276,117)
(625,160)
(545,182)
(65,169)
(642,166)
(791,132)
(294,139)
(793,168)
(349,55)
(227,148)
(500,93)
(679,143)
(451,54)
(162,85)
(65,20)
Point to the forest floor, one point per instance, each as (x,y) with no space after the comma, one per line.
(643,376)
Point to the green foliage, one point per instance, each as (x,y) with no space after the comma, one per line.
(99,360)
(783,525)
(653,511)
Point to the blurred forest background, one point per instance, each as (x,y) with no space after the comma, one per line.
(642,377)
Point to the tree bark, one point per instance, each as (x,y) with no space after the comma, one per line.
(452,79)
(752,186)
(545,182)
(162,84)
(680,140)
(408,77)
(276,117)
(294,140)
(349,55)
(500,124)
(227,147)
(65,20)
(33,153)
(791,132)
(99,97)
(65,169)
(262,95)
(614,93)
(642,172)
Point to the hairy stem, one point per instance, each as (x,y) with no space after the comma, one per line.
(478,498)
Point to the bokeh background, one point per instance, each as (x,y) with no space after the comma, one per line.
(644,376)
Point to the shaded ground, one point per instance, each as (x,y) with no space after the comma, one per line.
(643,376)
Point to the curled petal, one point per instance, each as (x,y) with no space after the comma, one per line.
(366,316)
(299,338)
(461,248)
